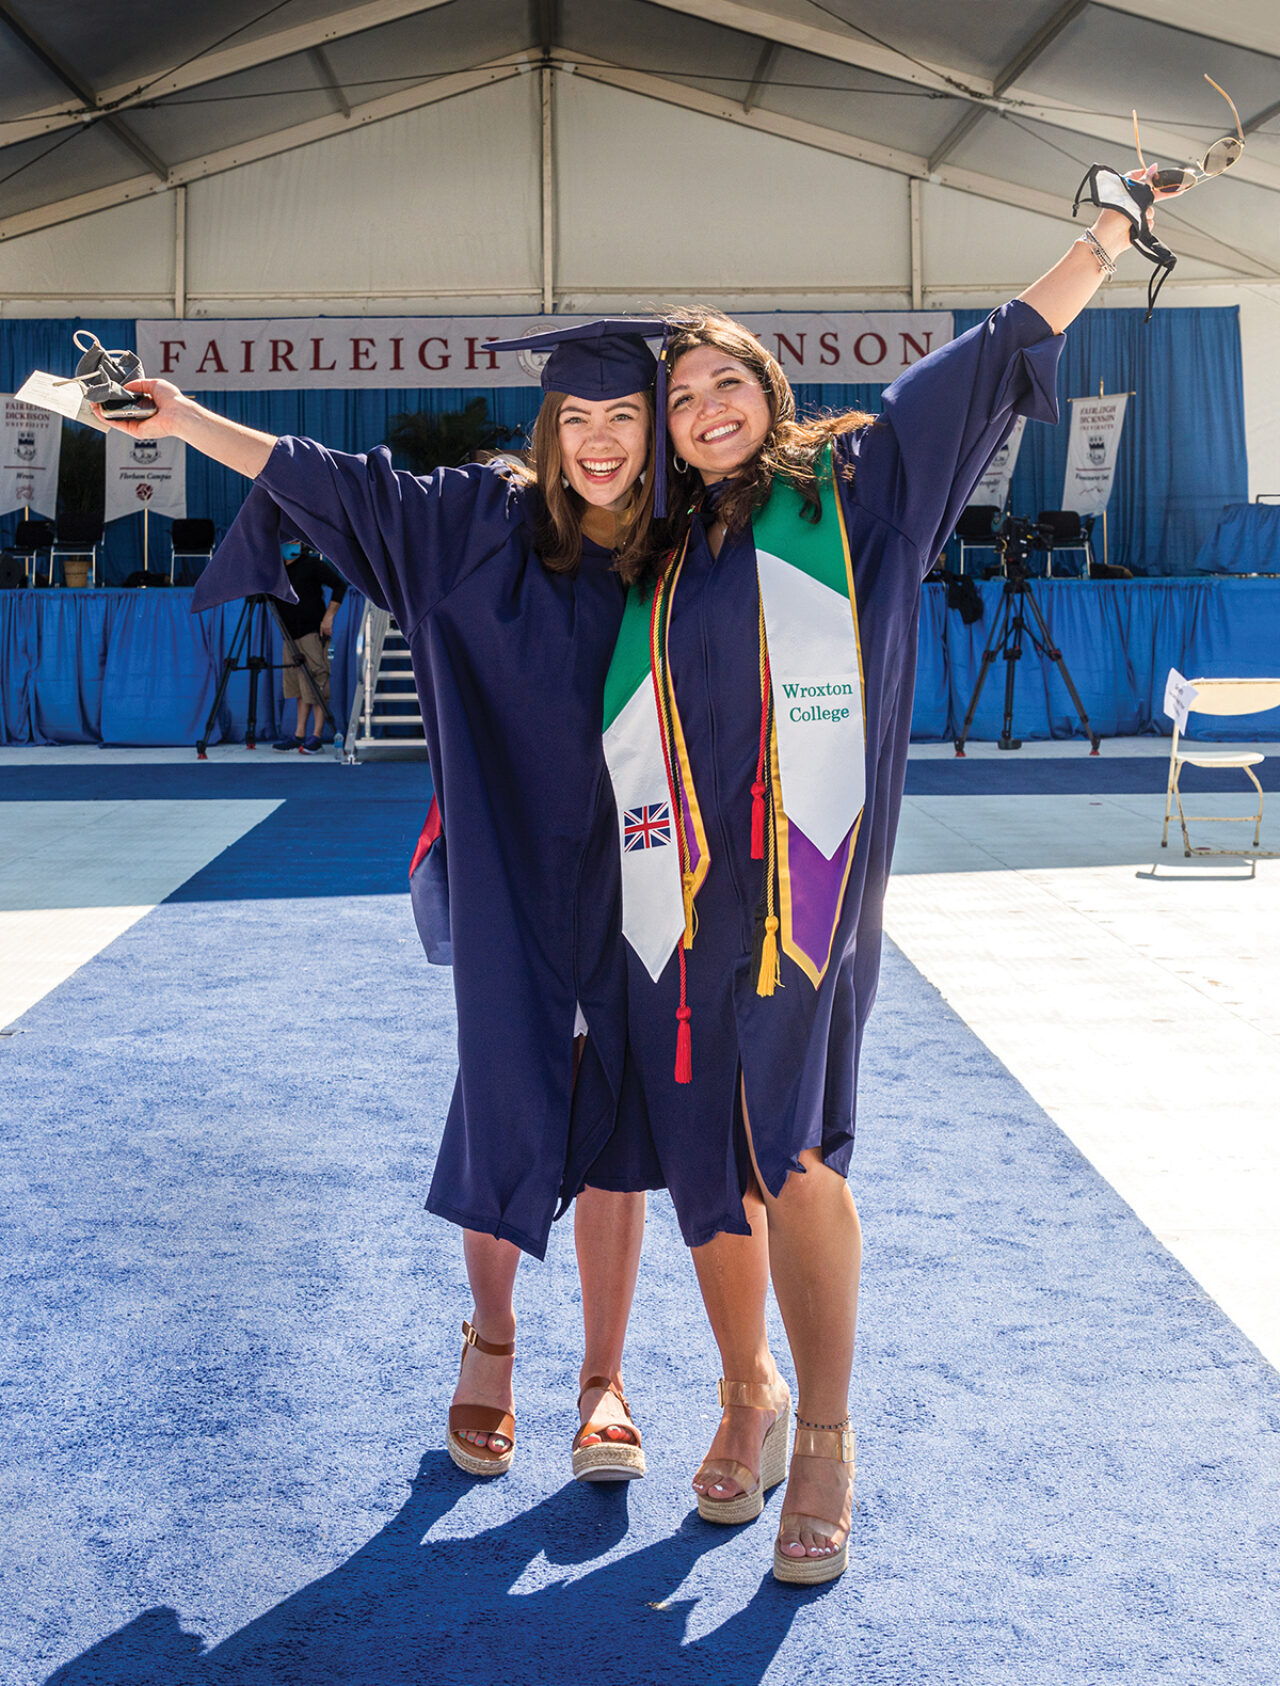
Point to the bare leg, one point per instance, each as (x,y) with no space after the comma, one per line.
(609,1232)
(815,1253)
(733,1274)
(300,731)
(484,1380)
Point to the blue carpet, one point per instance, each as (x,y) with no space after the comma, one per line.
(232,1334)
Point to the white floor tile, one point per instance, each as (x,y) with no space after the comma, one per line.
(75,875)
(1139,1007)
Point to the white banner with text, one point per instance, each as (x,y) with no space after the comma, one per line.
(993,488)
(145,474)
(846,347)
(30,450)
(1092,444)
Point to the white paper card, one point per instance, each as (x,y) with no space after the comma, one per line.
(65,398)
(1179,694)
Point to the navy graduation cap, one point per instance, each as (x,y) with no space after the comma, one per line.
(597,361)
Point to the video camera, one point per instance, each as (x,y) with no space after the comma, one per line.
(1015,541)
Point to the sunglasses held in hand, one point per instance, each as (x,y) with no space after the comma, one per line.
(1135,195)
(1221,155)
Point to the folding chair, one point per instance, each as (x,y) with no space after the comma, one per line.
(190,540)
(77,535)
(31,540)
(1219,697)
(976,529)
(1062,529)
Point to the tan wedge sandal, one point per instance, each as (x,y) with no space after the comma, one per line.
(481,1419)
(747,1505)
(610,1460)
(840,1445)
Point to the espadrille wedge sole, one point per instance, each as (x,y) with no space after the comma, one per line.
(609,1460)
(746,1506)
(481,1419)
(840,1446)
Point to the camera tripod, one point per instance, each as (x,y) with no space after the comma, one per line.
(253,636)
(1006,639)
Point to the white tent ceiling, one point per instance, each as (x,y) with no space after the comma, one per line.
(239,158)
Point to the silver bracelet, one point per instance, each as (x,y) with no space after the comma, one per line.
(1104,259)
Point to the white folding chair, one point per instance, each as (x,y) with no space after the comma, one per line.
(1220,697)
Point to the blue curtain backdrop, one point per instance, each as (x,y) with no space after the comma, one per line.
(137,667)
(1182,456)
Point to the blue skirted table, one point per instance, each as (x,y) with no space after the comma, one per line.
(1245,541)
(1119,638)
(136,667)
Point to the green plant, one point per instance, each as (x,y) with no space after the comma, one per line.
(426,439)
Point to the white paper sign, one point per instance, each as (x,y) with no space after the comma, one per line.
(1096,425)
(145,474)
(1179,694)
(873,346)
(993,488)
(30,450)
(63,397)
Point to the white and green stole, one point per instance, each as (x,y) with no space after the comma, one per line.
(813,695)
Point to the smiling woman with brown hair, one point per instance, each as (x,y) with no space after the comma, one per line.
(762,688)
(510,647)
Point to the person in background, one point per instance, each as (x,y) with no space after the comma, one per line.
(309,622)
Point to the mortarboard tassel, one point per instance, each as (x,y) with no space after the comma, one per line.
(660,435)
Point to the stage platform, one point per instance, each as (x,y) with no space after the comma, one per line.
(137,668)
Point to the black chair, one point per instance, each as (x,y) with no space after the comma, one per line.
(977,528)
(77,535)
(1063,529)
(31,540)
(190,540)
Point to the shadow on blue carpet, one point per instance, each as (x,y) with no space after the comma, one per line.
(402,1610)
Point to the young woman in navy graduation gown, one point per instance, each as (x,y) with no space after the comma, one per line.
(759,989)
(505,587)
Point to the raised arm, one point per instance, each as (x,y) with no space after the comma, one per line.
(1060,295)
(243,449)
(402,540)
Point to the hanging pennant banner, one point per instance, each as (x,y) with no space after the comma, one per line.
(1094,440)
(30,449)
(993,488)
(145,474)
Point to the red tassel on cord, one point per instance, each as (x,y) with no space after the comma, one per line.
(684,1047)
(684,1031)
(757,820)
(758,788)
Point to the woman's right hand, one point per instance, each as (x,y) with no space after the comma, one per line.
(179,417)
(170,405)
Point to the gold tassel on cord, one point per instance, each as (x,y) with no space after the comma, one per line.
(770,966)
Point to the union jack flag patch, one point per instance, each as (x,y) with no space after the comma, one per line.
(646,828)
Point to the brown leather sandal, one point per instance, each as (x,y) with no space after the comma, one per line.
(611,1460)
(838,1444)
(747,1505)
(481,1419)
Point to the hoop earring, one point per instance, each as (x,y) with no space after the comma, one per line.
(679,464)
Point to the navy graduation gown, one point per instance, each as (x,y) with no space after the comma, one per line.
(510,662)
(797,1050)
